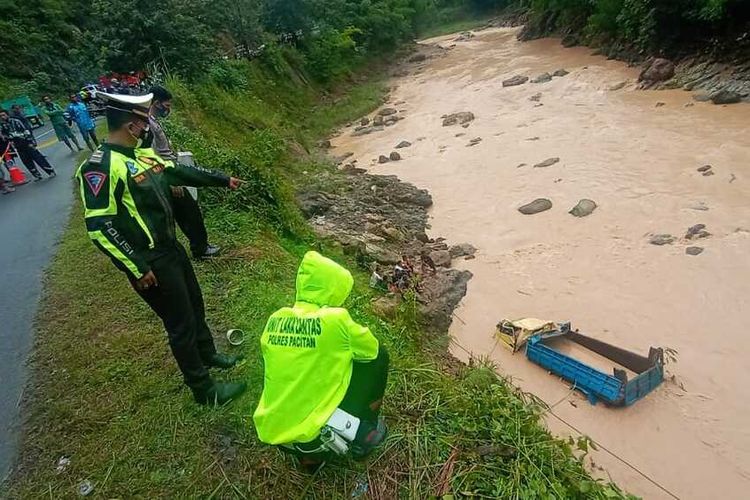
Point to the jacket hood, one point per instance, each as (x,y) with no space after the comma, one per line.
(322,282)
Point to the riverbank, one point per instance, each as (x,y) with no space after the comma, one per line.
(637,155)
(106,406)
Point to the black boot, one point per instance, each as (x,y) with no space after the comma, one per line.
(223,361)
(370,435)
(218,393)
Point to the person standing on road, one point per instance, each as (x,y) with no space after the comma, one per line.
(15,131)
(17,112)
(56,116)
(125,192)
(187,212)
(79,113)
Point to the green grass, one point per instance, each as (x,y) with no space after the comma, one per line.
(107,394)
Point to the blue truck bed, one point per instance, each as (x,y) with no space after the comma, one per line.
(615,389)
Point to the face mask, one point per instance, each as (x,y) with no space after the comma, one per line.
(144,138)
(162,111)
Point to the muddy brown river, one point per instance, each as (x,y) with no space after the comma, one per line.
(636,154)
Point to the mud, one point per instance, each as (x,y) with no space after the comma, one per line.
(638,161)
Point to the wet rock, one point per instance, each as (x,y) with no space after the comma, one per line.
(314,203)
(658,70)
(340,159)
(387,111)
(702,97)
(460,118)
(466,35)
(694,250)
(403,144)
(697,231)
(570,40)
(583,208)
(708,173)
(359,131)
(521,165)
(474,141)
(516,80)
(364,121)
(441,258)
(377,121)
(561,72)
(660,104)
(394,156)
(383,159)
(704,168)
(386,307)
(390,120)
(325,144)
(662,239)
(725,97)
(462,250)
(618,86)
(546,163)
(536,97)
(543,78)
(380,254)
(470,257)
(465,125)
(460,134)
(536,206)
(418,57)
(698,205)
(440,297)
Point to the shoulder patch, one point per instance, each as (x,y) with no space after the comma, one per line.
(95,181)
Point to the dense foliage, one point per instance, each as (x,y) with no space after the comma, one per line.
(647,25)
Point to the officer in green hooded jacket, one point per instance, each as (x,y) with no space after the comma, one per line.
(125,192)
(318,360)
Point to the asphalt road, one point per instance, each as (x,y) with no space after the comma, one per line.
(31,222)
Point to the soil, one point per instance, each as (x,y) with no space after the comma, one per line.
(638,162)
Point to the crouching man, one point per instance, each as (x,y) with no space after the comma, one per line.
(325,375)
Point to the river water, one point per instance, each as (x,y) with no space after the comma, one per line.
(635,153)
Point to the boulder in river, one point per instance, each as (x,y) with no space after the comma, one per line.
(662,239)
(462,250)
(418,57)
(377,121)
(543,78)
(536,97)
(658,70)
(474,142)
(387,111)
(394,156)
(383,159)
(516,80)
(466,35)
(561,72)
(694,250)
(725,97)
(697,231)
(403,144)
(460,118)
(583,208)
(536,206)
(704,168)
(546,163)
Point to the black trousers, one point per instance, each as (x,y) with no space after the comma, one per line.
(31,157)
(187,214)
(178,301)
(362,399)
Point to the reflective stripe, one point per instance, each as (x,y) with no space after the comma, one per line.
(115,252)
(129,202)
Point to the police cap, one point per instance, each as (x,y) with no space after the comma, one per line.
(137,105)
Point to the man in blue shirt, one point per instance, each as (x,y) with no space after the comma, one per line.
(79,113)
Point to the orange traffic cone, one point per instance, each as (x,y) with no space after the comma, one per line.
(17,177)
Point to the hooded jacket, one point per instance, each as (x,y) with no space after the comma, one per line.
(308,351)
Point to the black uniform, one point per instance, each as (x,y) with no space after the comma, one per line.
(126,195)
(15,131)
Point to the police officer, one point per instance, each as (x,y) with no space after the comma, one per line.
(319,363)
(125,191)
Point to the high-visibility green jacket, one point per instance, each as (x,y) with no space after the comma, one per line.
(127,203)
(308,351)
